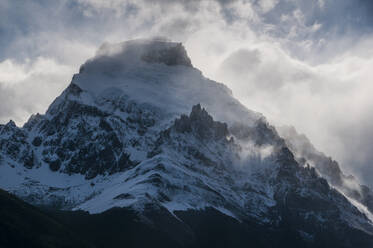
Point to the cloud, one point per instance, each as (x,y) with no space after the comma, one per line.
(267,5)
(329,102)
(29,88)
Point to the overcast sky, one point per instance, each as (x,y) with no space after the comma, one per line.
(306,63)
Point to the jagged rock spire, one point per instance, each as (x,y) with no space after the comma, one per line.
(202,124)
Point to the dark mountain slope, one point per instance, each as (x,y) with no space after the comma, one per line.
(23,225)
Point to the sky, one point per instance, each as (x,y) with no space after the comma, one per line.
(305,63)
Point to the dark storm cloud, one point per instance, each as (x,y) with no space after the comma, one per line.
(21,20)
(336,16)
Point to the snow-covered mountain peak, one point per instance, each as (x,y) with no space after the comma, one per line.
(156,73)
(129,54)
(139,125)
(8,128)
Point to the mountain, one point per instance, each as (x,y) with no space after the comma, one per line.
(307,155)
(140,129)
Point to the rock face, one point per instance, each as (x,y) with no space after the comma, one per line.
(326,167)
(140,128)
(202,124)
(175,55)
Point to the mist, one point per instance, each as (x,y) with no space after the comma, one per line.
(301,63)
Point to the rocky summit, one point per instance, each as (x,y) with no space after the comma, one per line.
(141,134)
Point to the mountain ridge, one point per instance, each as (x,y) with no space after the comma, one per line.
(140,126)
